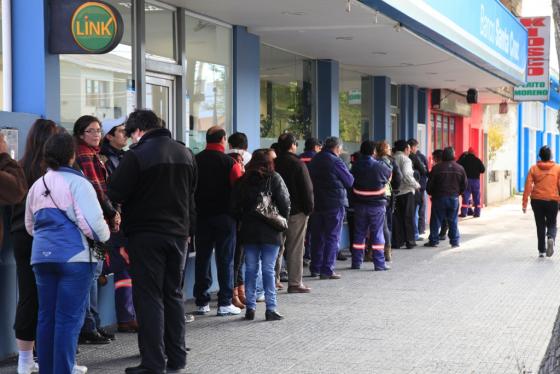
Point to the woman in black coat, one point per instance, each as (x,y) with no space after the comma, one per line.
(260,240)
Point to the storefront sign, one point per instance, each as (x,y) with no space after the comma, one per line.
(354,97)
(482,32)
(538,80)
(90,27)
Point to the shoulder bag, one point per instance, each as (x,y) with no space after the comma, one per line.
(267,211)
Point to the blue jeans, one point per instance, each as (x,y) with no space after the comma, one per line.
(260,288)
(415,223)
(62,289)
(444,208)
(91,321)
(267,254)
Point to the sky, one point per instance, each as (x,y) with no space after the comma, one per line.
(532,8)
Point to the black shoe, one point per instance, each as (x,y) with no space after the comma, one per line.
(355,267)
(341,257)
(442,237)
(138,370)
(92,338)
(430,244)
(462,216)
(314,275)
(176,371)
(250,314)
(455,245)
(411,245)
(272,315)
(104,333)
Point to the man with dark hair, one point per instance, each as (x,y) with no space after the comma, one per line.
(369,200)
(331,178)
(139,122)
(437,156)
(420,167)
(447,181)
(474,168)
(216,228)
(239,144)
(311,148)
(296,176)
(155,184)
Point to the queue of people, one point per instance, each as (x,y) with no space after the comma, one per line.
(94,209)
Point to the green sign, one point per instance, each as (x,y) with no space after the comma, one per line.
(95,27)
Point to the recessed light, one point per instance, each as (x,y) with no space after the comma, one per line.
(287,13)
(379,53)
(431,73)
(450,80)
(406,64)
(344,38)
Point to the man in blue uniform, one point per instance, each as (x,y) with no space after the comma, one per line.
(331,179)
(370,179)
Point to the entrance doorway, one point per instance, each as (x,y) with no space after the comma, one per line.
(160,91)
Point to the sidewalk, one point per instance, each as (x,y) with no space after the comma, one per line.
(486,307)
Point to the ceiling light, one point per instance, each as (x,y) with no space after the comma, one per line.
(431,73)
(344,38)
(379,53)
(450,80)
(287,13)
(376,14)
(397,27)
(348,6)
(406,64)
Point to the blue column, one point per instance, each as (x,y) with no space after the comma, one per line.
(327,99)
(246,85)
(382,129)
(412,126)
(404,113)
(520,149)
(35,72)
(422,106)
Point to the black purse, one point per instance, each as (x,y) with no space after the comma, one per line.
(267,211)
(96,249)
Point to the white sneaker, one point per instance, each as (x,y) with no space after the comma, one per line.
(77,369)
(260,298)
(549,247)
(202,310)
(229,310)
(32,367)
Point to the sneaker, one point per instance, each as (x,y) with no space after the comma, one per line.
(106,334)
(430,244)
(455,245)
(31,367)
(77,369)
(541,254)
(549,247)
(189,318)
(260,298)
(92,338)
(272,315)
(228,310)
(202,310)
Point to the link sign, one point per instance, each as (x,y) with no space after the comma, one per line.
(78,27)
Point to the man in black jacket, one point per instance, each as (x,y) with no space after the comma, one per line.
(420,166)
(447,181)
(155,183)
(297,179)
(473,167)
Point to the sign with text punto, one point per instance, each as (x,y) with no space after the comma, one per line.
(84,27)
(537,87)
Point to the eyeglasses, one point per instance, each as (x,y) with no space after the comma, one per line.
(93,131)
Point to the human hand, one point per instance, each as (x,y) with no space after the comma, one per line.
(116,222)
(3,144)
(524,210)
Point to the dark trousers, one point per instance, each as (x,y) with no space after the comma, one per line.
(473,188)
(422,213)
(216,232)
(444,208)
(118,263)
(325,235)
(25,324)
(157,266)
(545,217)
(369,221)
(238,260)
(403,220)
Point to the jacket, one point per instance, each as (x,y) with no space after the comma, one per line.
(473,165)
(254,230)
(155,182)
(296,177)
(420,166)
(447,179)
(331,178)
(543,182)
(307,156)
(61,220)
(111,157)
(371,177)
(408,183)
(89,162)
(13,186)
(217,174)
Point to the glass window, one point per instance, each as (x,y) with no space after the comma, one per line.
(99,85)
(445,131)
(439,137)
(350,110)
(433,127)
(286,95)
(452,131)
(209,78)
(160,32)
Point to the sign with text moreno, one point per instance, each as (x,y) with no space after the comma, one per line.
(84,27)
(537,87)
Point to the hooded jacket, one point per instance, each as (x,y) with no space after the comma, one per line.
(543,182)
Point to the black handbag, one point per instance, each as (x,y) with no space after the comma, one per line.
(267,211)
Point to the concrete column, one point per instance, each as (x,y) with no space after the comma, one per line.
(327,98)
(404,113)
(246,85)
(423,106)
(382,129)
(412,126)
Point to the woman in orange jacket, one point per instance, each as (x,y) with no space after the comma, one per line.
(543,185)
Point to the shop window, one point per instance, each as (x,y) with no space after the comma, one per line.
(443,130)
(160,32)
(209,78)
(286,95)
(350,110)
(99,85)
(439,136)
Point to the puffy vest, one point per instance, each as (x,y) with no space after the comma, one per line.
(328,190)
(371,178)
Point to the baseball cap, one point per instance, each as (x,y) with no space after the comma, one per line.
(111,123)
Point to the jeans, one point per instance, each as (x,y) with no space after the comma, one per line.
(545,218)
(415,222)
(260,287)
(266,253)
(216,232)
(92,322)
(63,291)
(444,208)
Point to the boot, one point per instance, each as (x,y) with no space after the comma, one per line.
(241,294)
(388,253)
(235,299)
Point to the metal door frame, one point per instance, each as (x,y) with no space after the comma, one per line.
(167,81)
